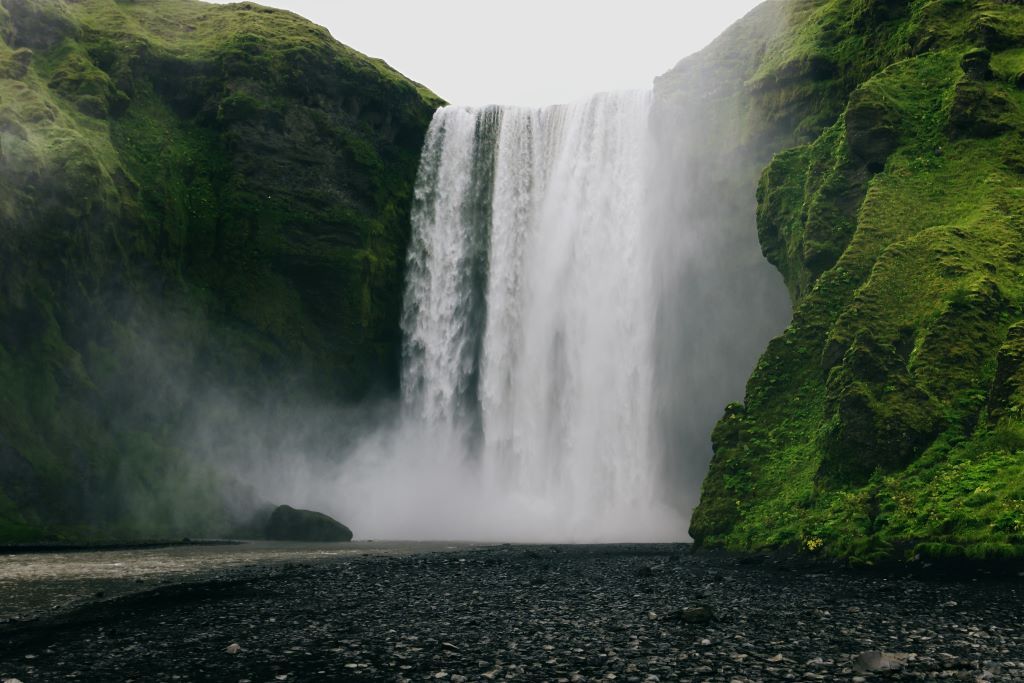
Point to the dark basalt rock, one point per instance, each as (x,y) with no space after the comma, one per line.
(978,111)
(465,616)
(288,524)
(871,130)
(700,614)
(995,32)
(977,64)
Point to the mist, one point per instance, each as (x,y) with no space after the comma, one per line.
(585,293)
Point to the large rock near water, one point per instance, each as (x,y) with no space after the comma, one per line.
(288,524)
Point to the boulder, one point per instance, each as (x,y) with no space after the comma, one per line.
(700,614)
(288,524)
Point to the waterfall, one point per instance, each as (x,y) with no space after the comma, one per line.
(584,292)
(530,313)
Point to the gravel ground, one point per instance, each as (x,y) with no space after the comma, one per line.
(567,613)
(36,584)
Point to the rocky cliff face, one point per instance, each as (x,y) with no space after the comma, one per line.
(190,196)
(197,196)
(885,421)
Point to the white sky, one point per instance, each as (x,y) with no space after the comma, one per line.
(528,52)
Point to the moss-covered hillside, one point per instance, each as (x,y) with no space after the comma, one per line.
(888,420)
(190,196)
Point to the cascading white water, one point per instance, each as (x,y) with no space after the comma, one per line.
(530,315)
(585,291)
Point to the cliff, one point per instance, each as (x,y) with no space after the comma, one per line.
(201,199)
(191,196)
(886,421)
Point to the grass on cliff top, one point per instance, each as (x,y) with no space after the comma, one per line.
(190,28)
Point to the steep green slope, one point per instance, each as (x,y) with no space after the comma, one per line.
(191,196)
(886,421)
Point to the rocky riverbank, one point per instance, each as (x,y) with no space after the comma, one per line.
(631,613)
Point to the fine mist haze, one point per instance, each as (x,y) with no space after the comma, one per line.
(719,301)
(581,409)
(585,294)
(578,404)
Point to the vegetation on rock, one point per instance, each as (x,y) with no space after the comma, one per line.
(197,196)
(886,421)
(191,196)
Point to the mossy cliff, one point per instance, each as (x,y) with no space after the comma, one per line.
(190,196)
(886,422)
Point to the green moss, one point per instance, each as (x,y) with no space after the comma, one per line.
(885,418)
(200,195)
(807,202)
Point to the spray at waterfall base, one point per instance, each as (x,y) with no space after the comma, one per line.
(569,333)
(528,371)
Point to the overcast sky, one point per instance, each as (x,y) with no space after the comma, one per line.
(529,52)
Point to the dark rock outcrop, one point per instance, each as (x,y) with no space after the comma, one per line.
(977,64)
(872,131)
(980,110)
(288,524)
